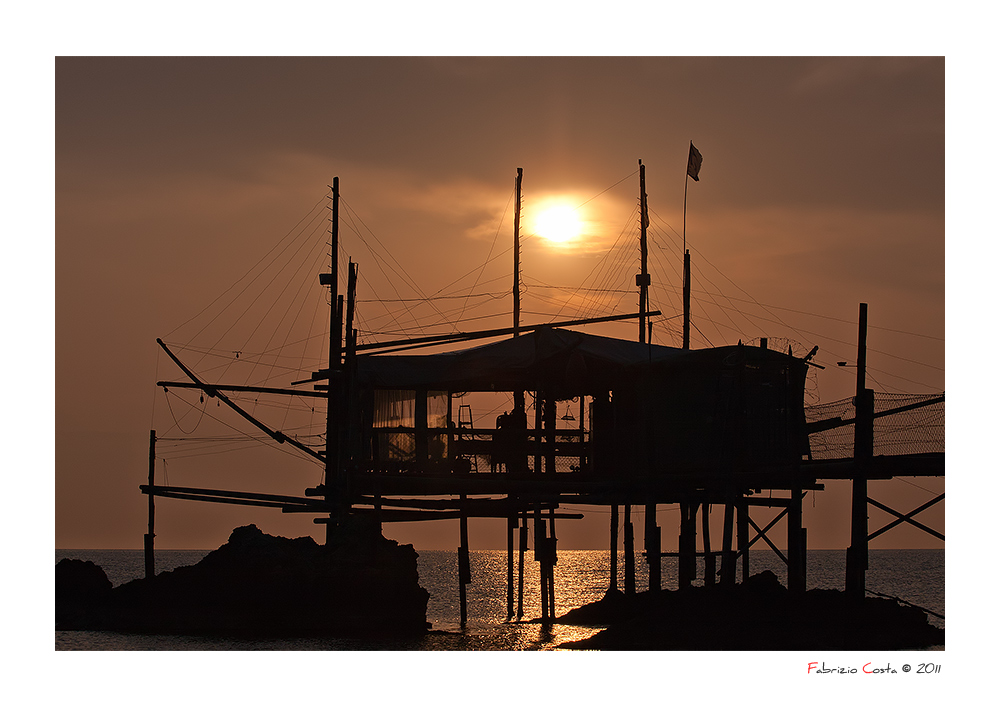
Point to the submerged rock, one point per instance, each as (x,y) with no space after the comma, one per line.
(759,614)
(263,585)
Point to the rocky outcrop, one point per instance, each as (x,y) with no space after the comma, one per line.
(262,585)
(759,614)
(83,592)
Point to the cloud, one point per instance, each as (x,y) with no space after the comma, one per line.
(824,74)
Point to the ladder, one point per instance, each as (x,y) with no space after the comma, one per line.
(465,423)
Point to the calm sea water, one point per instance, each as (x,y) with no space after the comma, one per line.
(916,576)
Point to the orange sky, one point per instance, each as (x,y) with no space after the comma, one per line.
(822,187)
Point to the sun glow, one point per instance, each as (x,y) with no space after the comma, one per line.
(558,224)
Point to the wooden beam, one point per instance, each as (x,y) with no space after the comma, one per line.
(213,392)
(209,494)
(245,389)
(401,344)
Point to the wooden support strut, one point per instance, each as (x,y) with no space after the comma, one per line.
(857,553)
(522,548)
(613,584)
(148,538)
(743,522)
(629,552)
(511,525)
(707,544)
(540,553)
(652,542)
(728,556)
(402,344)
(464,568)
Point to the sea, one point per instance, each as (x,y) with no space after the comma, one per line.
(581,577)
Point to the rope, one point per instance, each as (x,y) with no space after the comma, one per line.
(903,601)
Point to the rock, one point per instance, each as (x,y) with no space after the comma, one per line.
(759,614)
(83,590)
(263,585)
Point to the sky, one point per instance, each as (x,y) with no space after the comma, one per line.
(181,182)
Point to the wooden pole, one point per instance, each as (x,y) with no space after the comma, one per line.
(511,523)
(522,547)
(517,252)
(550,435)
(687,546)
(652,542)
(350,423)
(629,552)
(551,560)
(687,301)
(796,544)
(332,450)
(464,569)
(614,548)
(539,403)
(148,538)
(642,279)
(518,396)
(857,553)
(706,509)
(743,535)
(728,556)
(540,552)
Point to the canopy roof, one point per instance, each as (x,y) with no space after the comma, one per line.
(557,360)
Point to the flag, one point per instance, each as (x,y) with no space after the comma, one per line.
(694,162)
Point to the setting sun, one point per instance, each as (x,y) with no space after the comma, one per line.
(558,224)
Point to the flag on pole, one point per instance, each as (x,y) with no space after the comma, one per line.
(694,162)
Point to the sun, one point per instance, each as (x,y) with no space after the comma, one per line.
(558,224)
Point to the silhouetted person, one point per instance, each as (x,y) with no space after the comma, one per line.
(501,444)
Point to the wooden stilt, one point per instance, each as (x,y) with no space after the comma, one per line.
(511,524)
(629,552)
(652,543)
(540,552)
(538,432)
(687,555)
(613,586)
(796,544)
(743,535)
(706,509)
(148,537)
(728,556)
(523,546)
(864,402)
(552,559)
(464,569)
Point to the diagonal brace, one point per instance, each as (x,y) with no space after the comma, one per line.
(908,518)
(761,533)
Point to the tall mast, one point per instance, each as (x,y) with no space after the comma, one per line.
(642,279)
(332,429)
(335,349)
(693,168)
(517,253)
(687,301)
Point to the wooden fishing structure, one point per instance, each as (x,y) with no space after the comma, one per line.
(724,426)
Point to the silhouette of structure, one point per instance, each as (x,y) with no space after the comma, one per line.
(724,426)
